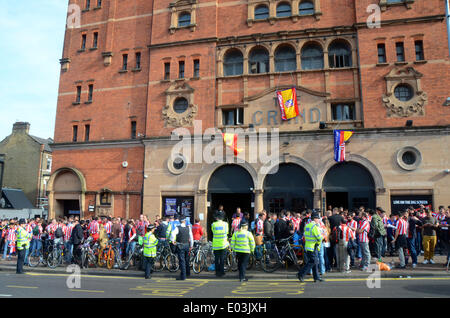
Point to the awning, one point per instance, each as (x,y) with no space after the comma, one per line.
(16,199)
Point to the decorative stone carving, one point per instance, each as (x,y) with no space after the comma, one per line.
(170,116)
(413,107)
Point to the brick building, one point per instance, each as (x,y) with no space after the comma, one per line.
(135,71)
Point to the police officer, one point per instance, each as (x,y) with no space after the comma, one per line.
(219,244)
(183,240)
(313,239)
(243,243)
(150,242)
(23,243)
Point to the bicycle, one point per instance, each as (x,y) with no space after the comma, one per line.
(107,256)
(135,259)
(37,257)
(198,258)
(165,258)
(88,258)
(55,256)
(273,258)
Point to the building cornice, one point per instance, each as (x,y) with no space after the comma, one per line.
(97,144)
(433,18)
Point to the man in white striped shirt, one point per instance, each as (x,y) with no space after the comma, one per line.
(400,237)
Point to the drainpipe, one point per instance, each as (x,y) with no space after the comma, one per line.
(447,16)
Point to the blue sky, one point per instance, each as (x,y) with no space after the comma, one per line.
(32,38)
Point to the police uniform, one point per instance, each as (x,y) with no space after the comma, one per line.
(313,239)
(219,245)
(183,238)
(22,243)
(150,242)
(242,243)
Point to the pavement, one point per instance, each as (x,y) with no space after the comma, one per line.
(429,270)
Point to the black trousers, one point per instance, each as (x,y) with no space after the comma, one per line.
(313,263)
(148,265)
(183,258)
(20,260)
(77,253)
(219,262)
(242,260)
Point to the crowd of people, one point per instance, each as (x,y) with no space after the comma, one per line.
(359,234)
(349,236)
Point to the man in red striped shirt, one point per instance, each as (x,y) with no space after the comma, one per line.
(363,230)
(236,222)
(345,234)
(67,230)
(94,228)
(400,237)
(352,243)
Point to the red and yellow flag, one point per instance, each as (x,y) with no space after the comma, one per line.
(287,100)
(231,141)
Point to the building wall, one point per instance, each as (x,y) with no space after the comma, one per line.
(21,168)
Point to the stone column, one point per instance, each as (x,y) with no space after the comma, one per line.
(317,201)
(259,200)
(201,207)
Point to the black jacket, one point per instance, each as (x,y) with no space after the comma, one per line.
(281,229)
(77,235)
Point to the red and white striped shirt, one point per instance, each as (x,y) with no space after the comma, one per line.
(347,233)
(29,228)
(259,227)
(94,228)
(385,219)
(441,217)
(11,234)
(353,224)
(108,226)
(402,227)
(67,230)
(51,230)
(38,237)
(235,224)
(296,222)
(364,225)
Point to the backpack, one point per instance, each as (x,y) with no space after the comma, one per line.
(59,233)
(372,232)
(36,231)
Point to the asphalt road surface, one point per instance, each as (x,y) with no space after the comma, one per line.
(32,285)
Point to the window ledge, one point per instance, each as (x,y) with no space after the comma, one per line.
(195,78)
(190,26)
(136,69)
(88,102)
(123,71)
(97,8)
(180,80)
(93,49)
(165,81)
(233,126)
(421,62)
(401,63)
(76,103)
(382,64)
(81,50)
(85,10)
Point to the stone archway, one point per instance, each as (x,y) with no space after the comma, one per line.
(67,187)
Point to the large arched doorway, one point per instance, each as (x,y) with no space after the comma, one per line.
(67,192)
(290,188)
(349,185)
(230,186)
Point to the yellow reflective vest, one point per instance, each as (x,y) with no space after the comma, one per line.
(150,242)
(312,236)
(242,241)
(23,237)
(220,235)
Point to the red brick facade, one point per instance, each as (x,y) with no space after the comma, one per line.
(140,95)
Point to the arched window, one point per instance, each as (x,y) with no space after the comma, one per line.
(184,19)
(312,57)
(258,61)
(306,7)
(339,54)
(285,59)
(283,10)
(180,105)
(261,12)
(233,63)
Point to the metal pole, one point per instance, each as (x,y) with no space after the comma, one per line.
(447,16)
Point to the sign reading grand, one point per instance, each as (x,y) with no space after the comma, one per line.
(263,110)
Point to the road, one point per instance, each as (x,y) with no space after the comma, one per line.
(55,286)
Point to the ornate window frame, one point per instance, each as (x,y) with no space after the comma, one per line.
(170,116)
(272,5)
(179,7)
(411,108)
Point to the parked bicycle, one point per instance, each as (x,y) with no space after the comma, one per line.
(107,256)
(165,258)
(38,256)
(88,257)
(55,254)
(273,258)
(134,259)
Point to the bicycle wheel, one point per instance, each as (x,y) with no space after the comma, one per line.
(34,260)
(199,262)
(171,261)
(251,261)
(234,264)
(269,261)
(52,260)
(294,259)
(159,264)
(91,260)
(110,257)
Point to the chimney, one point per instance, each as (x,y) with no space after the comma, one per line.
(21,128)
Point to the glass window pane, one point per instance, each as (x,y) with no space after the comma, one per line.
(285,59)
(184,19)
(180,105)
(306,7)
(261,12)
(283,10)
